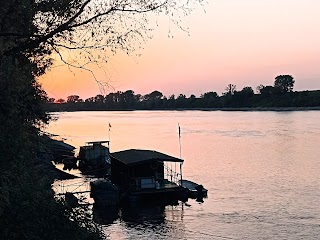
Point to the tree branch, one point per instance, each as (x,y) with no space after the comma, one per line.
(61,28)
(34,43)
(102,85)
(113,9)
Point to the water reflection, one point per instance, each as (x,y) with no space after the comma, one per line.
(139,214)
(148,213)
(261,170)
(105,216)
(149,222)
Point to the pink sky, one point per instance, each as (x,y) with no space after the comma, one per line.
(246,43)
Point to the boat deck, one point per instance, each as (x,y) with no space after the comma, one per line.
(163,186)
(167,184)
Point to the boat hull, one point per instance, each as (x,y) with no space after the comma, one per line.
(194,190)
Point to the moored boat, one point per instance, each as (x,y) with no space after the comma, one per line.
(145,176)
(195,190)
(94,155)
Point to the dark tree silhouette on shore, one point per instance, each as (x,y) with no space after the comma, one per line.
(267,96)
(284,83)
(230,89)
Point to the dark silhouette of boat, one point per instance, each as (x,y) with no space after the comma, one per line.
(145,176)
(95,156)
(194,190)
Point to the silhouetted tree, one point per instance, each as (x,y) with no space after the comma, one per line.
(138,98)
(171,101)
(266,91)
(181,101)
(209,99)
(73,99)
(258,88)
(242,98)
(128,99)
(61,100)
(51,100)
(89,100)
(153,96)
(230,89)
(153,100)
(247,91)
(99,98)
(284,82)
(208,95)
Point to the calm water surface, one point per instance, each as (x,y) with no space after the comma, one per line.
(262,170)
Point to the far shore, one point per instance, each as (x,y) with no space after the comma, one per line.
(247,109)
(253,109)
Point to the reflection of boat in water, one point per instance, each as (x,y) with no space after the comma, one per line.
(146,213)
(195,190)
(104,193)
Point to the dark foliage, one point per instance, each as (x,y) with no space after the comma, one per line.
(27,206)
(28,209)
(284,83)
(278,96)
(242,99)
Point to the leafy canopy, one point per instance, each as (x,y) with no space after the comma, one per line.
(284,82)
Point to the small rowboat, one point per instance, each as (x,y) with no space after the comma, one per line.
(195,190)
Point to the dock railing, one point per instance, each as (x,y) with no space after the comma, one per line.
(172,175)
(170,178)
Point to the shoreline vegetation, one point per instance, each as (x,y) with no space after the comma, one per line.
(210,101)
(279,97)
(244,109)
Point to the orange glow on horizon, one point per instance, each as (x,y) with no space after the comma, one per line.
(246,43)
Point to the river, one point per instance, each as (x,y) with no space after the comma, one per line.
(261,169)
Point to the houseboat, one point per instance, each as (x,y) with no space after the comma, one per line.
(147,176)
(94,155)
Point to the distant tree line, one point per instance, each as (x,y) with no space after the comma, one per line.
(281,94)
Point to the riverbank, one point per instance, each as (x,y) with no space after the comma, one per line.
(210,101)
(245,109)
(256,109)
(51,171)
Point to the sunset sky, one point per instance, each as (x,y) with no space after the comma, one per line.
(246,43)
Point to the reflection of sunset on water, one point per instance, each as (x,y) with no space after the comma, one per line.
(261,170)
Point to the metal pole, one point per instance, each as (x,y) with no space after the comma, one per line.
(180,153)
(179,139)
(109,135)
(181,174)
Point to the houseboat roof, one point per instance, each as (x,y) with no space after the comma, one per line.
(98,142)
(137,156)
